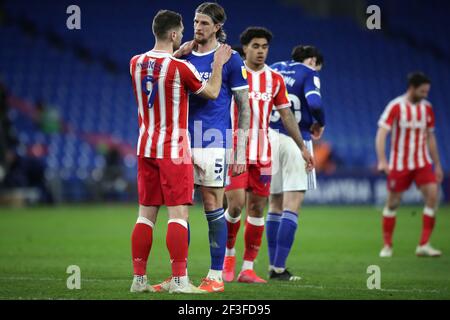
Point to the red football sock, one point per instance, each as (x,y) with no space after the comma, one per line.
(388,230)
(233,229)
(254,229)
(177,243)
(427,228)
(141,243)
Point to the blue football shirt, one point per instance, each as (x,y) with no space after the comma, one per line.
(210,120)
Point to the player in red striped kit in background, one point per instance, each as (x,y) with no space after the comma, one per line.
(161,86)
(251,189)
(410,120)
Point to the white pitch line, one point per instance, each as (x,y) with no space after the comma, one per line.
(59,279)
(412,290)
(364,289)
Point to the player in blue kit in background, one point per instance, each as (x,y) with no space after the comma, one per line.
(210,130)
(291,180)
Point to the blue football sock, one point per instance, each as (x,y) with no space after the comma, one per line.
(217,237)
(272,225)
(189,234)
(285,239)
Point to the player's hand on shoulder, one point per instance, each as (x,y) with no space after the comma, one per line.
(309,160)
(185,49)
(222,54)
(383,167)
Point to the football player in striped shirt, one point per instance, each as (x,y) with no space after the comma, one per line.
(252,188)
(410,120)
(210,128)
(161,85)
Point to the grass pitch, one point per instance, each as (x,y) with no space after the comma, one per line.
(333,248)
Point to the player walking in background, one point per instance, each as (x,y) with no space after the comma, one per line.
(292,180)
(209,123)
(252,188)
(165,171)
(410,119)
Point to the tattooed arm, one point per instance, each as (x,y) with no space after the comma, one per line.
(242,102)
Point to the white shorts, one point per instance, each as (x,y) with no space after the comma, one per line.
(288,167)
(211,166)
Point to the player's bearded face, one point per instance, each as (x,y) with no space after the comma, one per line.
(421,92)
(204,28)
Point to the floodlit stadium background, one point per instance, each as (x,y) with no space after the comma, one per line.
(72,115)
(68,132)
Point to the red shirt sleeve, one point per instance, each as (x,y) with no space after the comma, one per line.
(133,64)
(389,116)
(281,99)
(190,77)
(430,118)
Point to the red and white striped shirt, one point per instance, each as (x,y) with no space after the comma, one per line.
(410,124)
(267,89)
(161,84)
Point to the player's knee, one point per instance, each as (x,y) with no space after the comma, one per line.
(276,203)
(211,200)
(292,205)
(292,201)
(178,212)
(432,199)
(256,209)
(210,205)
(393,202)
(275,207)
(235,210)
(393,206)
(148,213)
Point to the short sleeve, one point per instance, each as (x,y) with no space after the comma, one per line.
(191,78)
(281,98)
(133,64)
(312,84)
(237,78)
(430,118)
(388,117)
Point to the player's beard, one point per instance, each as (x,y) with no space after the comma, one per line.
(203,40)
(417,98)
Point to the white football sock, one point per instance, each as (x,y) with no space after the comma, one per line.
(181,281)
(140,279)
(215,275)
(230,252)
(278,270)
(247,265)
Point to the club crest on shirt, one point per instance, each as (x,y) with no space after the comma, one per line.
(316,82)
(244,72)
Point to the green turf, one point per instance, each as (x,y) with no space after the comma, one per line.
(333,248)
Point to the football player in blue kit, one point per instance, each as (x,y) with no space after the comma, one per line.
(292,180)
